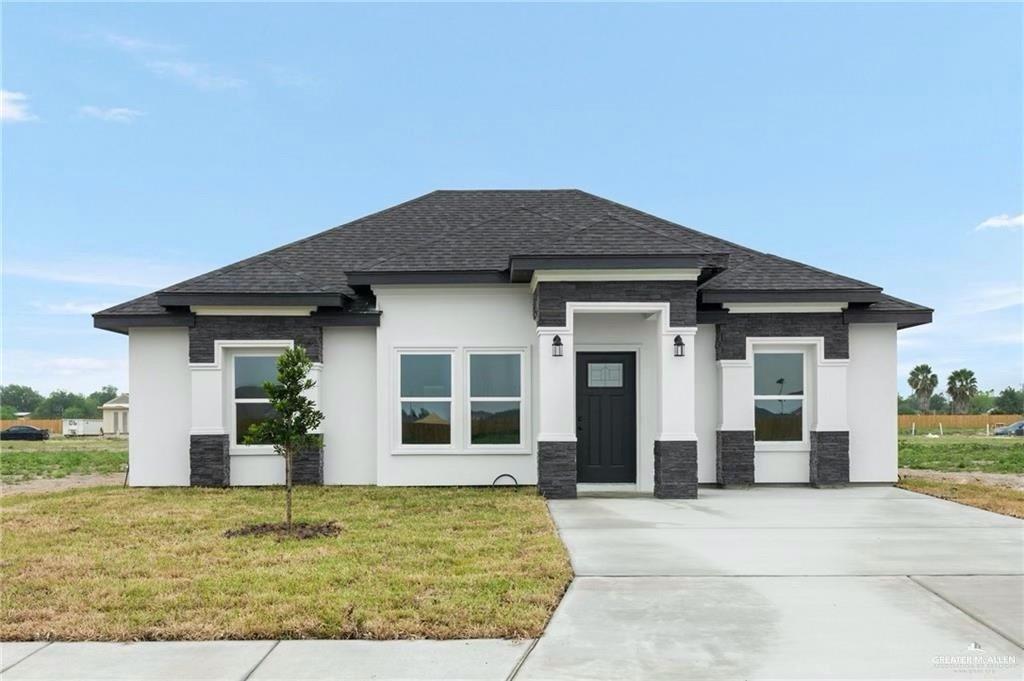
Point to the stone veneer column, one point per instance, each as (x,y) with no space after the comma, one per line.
(830,436)
(675,448)
(830,458)
(209,460)
(556,436)
(308,466)
(734,441)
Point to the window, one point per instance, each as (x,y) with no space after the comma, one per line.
(495,399)
(426,399)
(251,402)
(604,375)
(779,397)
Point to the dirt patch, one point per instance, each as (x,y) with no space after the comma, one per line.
(1009,480)
(37,485)
(281,531)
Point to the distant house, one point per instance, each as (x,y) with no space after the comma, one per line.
(115,415)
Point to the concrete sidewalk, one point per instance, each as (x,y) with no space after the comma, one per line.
(483,660)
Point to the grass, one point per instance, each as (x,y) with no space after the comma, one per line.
(153,564)
(989,497)
(59,457)
(961,453)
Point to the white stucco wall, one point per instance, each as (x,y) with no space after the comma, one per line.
(457,319)
(871,399)
(348,397)
(160,386)
(707,401)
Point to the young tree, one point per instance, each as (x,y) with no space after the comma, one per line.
(923,381)
(1010,401)
(295,415)
(961,387)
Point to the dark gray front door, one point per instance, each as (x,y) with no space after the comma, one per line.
(606,416)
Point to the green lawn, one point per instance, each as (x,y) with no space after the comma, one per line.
(149,564)
(963,453)
(59,457)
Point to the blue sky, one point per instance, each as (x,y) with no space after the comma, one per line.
(146,143)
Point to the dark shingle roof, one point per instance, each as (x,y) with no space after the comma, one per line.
(479,230)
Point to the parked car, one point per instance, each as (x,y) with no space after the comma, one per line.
(1014,429)
(24,433)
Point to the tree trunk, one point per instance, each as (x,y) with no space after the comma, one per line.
(288,489)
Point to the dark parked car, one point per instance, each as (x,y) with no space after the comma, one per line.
(1014,429)
(24,433)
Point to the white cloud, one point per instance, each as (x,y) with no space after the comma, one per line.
(105,270)
(57,371)
(129,43)
(980,298)
(72,307)
(14,107)
(114,114)
(1002,221)
(201,76)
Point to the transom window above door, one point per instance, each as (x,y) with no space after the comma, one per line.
(779,397)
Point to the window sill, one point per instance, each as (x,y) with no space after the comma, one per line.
(461,452)
(252,450)
(782,447)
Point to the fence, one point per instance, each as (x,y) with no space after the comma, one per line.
(929,422)
(52,425)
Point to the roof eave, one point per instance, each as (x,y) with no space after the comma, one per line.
(370,278)
(904,319)
(120,323)
(174,299)
(850,295)
(522,267)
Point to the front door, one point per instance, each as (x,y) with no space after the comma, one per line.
(606,416)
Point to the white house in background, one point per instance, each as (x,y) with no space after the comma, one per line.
(115,415)
(555,336)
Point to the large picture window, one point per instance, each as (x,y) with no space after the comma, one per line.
(495,399)
(779,397)
(251,402)
(426,399)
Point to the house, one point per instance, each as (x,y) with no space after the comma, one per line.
(115,415)
(555,336)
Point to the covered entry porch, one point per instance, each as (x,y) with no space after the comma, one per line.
(617,399)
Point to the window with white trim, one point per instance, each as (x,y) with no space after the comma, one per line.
(495,398)
(779,397)
(251,404)
(425,398)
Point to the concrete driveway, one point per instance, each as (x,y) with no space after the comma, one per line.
(862,582)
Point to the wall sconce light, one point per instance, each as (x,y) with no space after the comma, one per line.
(556,346)
(678,349)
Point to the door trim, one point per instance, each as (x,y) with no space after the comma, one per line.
(637,350)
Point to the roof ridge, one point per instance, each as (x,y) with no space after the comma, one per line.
(652,230)
(630,209)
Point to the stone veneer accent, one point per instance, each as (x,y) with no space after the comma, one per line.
(550,297)
(734,459)
(308,466)
(732,333)
(209,461)
(556,469)
(304,331)
(830,458)
(675,469)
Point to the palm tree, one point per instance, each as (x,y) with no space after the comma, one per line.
(961,386)
(923,381)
